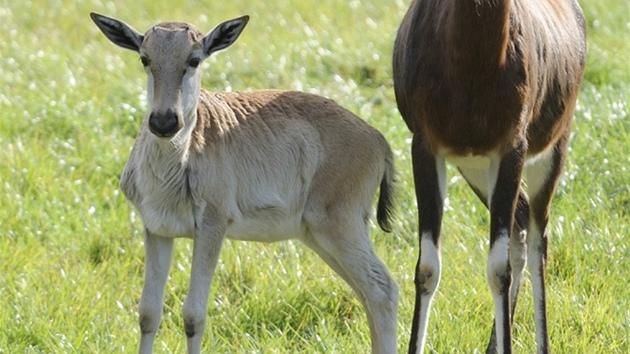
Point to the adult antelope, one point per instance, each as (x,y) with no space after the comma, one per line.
(490,86)
(262,166)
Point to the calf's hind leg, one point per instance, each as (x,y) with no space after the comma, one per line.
(344,245)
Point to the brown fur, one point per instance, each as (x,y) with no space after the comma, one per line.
(460,97)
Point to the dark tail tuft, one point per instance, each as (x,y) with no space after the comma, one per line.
(385,206)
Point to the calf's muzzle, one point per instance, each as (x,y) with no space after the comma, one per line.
(164,124)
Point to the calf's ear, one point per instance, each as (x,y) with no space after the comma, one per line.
(224,35)
(118,32)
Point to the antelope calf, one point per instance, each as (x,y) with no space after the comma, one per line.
(260,166)
(490,86)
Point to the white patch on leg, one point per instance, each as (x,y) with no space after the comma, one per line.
(497,269)
(430,259)
(431,266)
(498,258)
(537,171)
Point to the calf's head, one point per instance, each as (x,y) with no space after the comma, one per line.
(171,53)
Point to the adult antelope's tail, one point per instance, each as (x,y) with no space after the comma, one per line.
(385,206)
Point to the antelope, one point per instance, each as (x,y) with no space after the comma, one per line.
(489,86)
(264,165)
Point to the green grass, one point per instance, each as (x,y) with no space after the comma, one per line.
(71,257)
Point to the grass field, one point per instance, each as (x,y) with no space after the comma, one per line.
(71,256)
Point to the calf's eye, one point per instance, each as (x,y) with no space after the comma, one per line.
(194,62)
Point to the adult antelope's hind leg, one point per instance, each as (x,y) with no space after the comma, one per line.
(344,245)
(478,180)
(504,184)
(518,258)
(430,182)
(158,254)
(542,176)
(206,249)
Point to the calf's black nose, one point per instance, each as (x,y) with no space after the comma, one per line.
(164,124)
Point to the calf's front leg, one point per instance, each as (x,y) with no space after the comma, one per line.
(208,240)
(158,252)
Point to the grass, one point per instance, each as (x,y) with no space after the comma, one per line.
(71,257)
